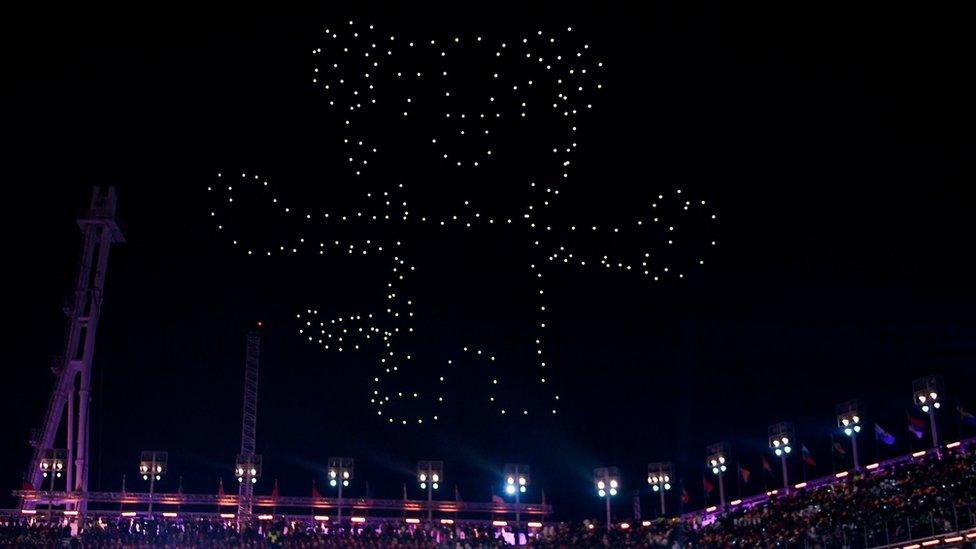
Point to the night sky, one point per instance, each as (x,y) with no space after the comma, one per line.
(835,147)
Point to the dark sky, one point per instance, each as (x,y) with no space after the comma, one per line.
(836,146)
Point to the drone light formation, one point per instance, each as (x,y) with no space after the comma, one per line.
(541,81)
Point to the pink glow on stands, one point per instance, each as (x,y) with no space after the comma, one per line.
(71,513)
(953,539)
(227,515)
(129,514)
(919,453)
(872,466)
(358,519)
(841,474)
(321,518)
(265,517)
(646,523)
(955,444)
(28,511)
(931,542)
(499,523)
(449,521)
(711,509)
(535,525)
(624,525)
(412,521)
(735,502)
(800,485)
(169,515)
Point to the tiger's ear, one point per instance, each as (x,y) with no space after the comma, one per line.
(245,211)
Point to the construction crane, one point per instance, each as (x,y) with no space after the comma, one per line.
(72,387)
(248,468)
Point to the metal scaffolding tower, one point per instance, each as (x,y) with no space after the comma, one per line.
(73,369)
(248,463)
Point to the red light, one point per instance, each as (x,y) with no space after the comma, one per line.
(260,324)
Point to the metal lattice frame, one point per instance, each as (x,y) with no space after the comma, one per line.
(249,426)
(73,369)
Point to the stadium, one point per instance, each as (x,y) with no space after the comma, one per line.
(491,275)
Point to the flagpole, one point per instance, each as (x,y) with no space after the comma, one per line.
(738,479)
(833,461)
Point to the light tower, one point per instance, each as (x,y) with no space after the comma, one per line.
(781,443)
(927,393)
(659,477)
(516,480)
(152,467)
(430,474)
(607,481)
(715,459)
(73,369)
(850,415)
(340,473)
(248,468)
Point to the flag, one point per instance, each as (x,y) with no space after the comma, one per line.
(457,493)
(495,498)
(916,426)
(405,491)
(965,416)
(807,456)
(315,491)
(26,486)
(179,490)
(220,488)
(543,496)
(274,491)
(766,466)
(839,448)
(745,473)
(685,498)
(883,436)
(707,486)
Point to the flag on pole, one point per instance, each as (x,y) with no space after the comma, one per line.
(839,448)
(965,416)
(457,493)
(685,497)
(274,491)
(745,474)
(26,486)
(495,498)
(884,436)
(916,426)
(315,491)
(807,456)
(766,466)
(220,488)
(706,485)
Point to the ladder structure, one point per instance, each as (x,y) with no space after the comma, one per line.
(248,463)
(72,388)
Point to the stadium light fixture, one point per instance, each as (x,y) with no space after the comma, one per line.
(52,464)
(340,473)
(781,438)
(152,467)
(659,475)
(516,480)
(430,474)
(716,458)
(927,393)
(850,417)
(607,481)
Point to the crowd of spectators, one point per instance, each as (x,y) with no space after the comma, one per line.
(908,501)
(927,497)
